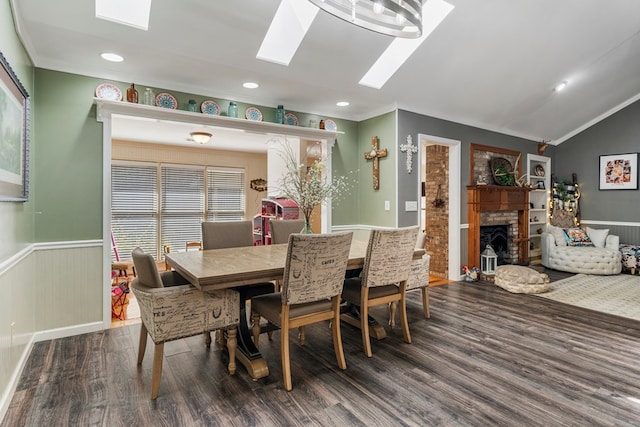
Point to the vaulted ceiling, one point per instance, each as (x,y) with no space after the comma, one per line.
(491,64)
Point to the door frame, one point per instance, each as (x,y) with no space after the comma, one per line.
(454,197)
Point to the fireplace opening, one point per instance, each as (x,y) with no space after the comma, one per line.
(498,237)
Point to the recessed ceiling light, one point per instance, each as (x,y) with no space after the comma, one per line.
(112,57)
(342,103)
(560,86)
(250,85)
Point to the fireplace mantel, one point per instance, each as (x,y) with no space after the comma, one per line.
(482,198)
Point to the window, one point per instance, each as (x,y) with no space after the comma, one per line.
(226,198)
(134,208)
(155,205)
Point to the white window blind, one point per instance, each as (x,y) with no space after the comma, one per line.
(182,205)
(225,194)
(154,205)
(134,208)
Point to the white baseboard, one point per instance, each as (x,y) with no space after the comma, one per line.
(7,395)
(68,331)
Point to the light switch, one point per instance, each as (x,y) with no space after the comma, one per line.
(387,205)
(411,206)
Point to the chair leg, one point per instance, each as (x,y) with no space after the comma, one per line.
(403,318)
(393,307)
(142,346)
(232,345)
(157,370)
(364,322)
(301,335)
(284,349)
(337,336)
(207,339)
(425,302)
(255,329)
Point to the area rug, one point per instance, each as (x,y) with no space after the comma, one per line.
(618,295)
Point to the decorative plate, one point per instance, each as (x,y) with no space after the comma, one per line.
(166,100)
(539,170)
(253,114)
(210,107)
(291,119)
(109,91)
(330,125)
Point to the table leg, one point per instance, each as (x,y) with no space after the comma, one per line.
(247,353)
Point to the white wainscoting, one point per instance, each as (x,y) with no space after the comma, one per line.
(50,290)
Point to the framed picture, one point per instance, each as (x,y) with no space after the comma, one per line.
(619,171)
(14,136)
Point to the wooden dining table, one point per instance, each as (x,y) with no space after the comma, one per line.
(243,266)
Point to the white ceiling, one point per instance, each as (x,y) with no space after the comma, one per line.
(491,64)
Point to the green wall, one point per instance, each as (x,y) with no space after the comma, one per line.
(68,165)
(16,219)
(371,202)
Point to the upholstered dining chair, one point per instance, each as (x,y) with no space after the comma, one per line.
(418,279)
(384,277)
(233,234)
(311,287)
(171,309)
(281,229)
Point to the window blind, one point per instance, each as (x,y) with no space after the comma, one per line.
(225,194)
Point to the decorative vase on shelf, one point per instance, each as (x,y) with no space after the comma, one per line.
(233,110)
(132,94)
(280,114)
(149,97)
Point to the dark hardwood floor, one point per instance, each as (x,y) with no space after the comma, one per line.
(486,357)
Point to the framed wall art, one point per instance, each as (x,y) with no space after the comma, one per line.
(14,136)
(619,171)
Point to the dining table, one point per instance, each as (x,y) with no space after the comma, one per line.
(248,265)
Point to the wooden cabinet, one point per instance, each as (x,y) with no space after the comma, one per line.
(539,179)
(272,209)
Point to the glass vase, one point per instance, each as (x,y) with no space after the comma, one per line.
(307,226)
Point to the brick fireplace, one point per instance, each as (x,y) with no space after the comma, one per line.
(492,205)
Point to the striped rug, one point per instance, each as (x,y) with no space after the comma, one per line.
(618,295)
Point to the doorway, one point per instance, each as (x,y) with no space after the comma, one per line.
(440,213)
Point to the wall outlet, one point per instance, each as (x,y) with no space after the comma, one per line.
(387,205)
(411,206)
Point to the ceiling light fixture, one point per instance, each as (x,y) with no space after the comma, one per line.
(200,137)
(111,57)
(250,85)
(560,87)
(342,103)
(380,16)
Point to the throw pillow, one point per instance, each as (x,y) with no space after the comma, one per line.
(598,237)
(557,234)
(577,237)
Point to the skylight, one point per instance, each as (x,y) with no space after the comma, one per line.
(134,13)
(433,13)
(288,28)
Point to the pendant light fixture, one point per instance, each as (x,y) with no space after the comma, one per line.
(200,137)
(398,18)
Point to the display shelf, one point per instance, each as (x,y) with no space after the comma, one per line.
(539,180)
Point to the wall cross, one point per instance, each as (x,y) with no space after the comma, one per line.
(409,148)
(375,154)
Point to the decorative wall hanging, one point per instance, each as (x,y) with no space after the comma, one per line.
(619,172)
(374,155)
(14,148)
(409,149)
(439,201)
(259,184)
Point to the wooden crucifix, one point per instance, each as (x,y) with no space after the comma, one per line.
(374,155)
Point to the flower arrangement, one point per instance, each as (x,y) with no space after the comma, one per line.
(309,186)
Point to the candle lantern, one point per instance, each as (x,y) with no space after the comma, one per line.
(488,261)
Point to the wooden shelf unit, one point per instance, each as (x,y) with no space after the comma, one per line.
(539,179)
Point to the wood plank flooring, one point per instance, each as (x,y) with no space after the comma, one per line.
(486,357)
